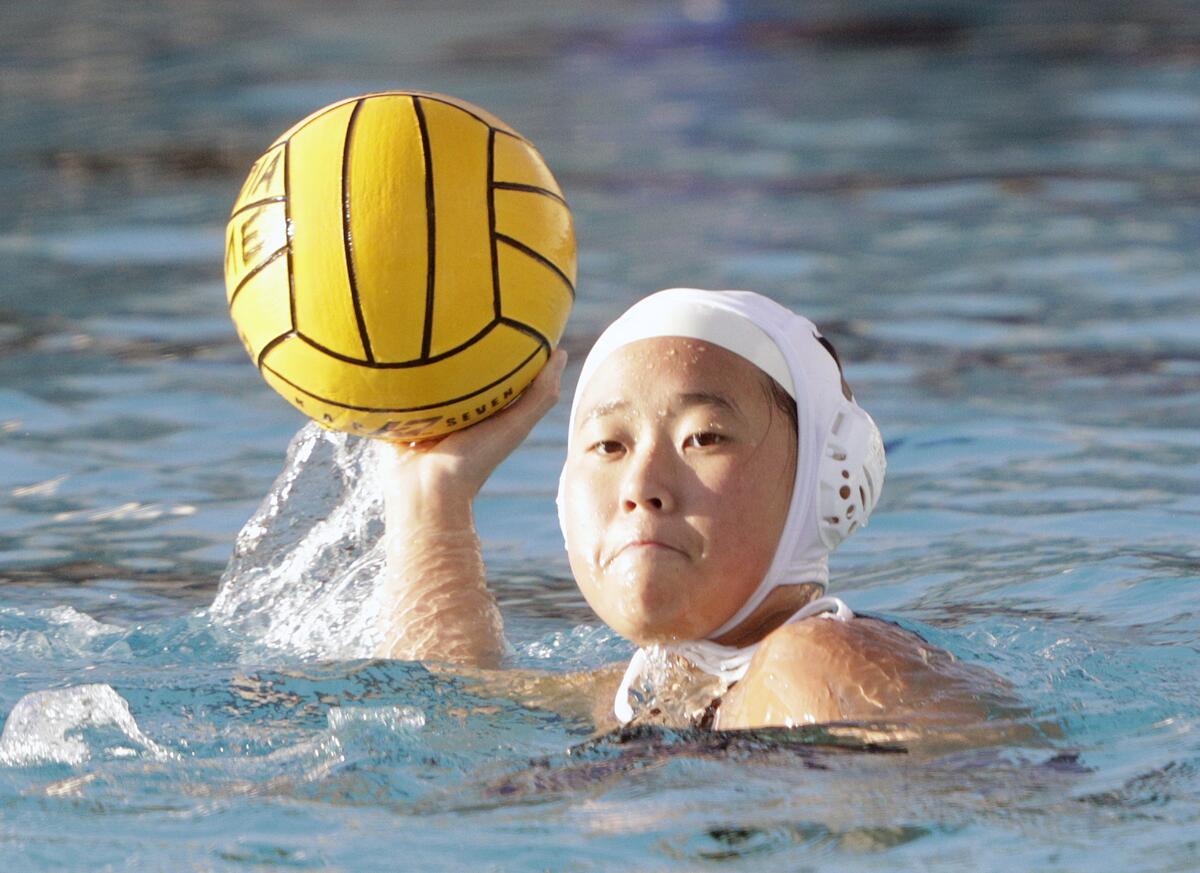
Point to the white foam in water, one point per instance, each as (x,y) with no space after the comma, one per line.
(579,647)
(396,718)
(57,630)
(302,579)
(42,728)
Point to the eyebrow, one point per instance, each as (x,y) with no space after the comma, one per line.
(693,398)
(703,398)
(602,409)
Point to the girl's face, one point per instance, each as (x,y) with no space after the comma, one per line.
(677,487)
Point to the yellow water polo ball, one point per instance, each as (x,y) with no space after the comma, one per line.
(400,264)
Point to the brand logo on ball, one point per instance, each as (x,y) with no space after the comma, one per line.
(400,264)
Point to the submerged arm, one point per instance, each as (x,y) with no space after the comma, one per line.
(435,601)
(584,695)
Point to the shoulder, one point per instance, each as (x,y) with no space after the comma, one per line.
(865,669)
(826,643)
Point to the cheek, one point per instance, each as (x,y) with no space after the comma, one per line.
(747,512)
(583,521)
(728,496)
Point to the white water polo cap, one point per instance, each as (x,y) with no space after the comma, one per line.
(840,459)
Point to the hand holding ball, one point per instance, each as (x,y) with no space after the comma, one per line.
(400,265)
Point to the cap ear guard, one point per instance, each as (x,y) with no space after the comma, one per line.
(850,476)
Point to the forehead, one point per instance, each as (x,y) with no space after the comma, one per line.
(649,370)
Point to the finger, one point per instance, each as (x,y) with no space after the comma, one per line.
(409,445)
(511,425)
(544,389)
(536,400)
(499,434)
(540,396)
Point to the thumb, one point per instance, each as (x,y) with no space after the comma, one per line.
(494,438)
(527,409)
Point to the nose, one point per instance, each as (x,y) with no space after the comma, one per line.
(647,485)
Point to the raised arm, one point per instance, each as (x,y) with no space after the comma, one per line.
(436,604)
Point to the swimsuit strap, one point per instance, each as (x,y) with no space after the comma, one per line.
(728,663)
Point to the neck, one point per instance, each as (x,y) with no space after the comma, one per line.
(780,605)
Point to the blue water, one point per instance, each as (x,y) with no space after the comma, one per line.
(991,209)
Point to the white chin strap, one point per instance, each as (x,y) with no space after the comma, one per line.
(727,663)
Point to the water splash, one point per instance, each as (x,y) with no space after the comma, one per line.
(58,632)
(392,718)
(302,577)
(68,726)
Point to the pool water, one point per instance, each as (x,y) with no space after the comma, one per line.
(993,211)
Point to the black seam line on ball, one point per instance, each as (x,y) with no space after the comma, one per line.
(321,114)
(430,230)
(437,405)
(287,230)
(528,331)
(257,269)
(521,247)
(400,365)
(491,204)
(435,99)
(262,354)
(264,202)
(338,105)
(529,189)
(348,242)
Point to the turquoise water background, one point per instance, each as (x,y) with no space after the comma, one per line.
(993,210)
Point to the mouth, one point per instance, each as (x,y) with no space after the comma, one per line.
(643,546)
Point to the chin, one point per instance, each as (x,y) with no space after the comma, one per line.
(645,622)
(643,634)
(644,604)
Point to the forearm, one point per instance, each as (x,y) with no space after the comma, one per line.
(435,601)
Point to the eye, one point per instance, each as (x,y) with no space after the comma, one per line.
(703,439)
(606,448)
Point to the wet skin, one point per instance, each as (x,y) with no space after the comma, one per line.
(677,484)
